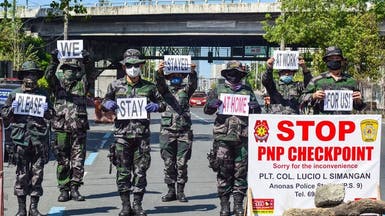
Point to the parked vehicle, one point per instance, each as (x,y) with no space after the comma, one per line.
(198,99)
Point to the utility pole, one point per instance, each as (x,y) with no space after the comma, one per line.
(65,30)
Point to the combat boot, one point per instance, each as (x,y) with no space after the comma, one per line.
(180,193)
(22,206)
(238,204)
(170,196)
(33,207)
(225,205)
(137,205)
(64,195)
(75,195)
(126,205)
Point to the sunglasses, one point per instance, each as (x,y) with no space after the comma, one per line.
(133,65)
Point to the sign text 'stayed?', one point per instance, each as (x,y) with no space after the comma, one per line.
(30,104)
(131,108)
(177,64)
(70,48)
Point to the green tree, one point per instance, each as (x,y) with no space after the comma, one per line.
(66,7)
(350,24)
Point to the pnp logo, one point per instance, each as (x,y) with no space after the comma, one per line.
(261,131)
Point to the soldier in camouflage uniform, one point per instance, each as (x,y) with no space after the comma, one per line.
(333,79)
(229,155)
(130,152)
(30,135)
(176,136)
(284,97)
(69,81)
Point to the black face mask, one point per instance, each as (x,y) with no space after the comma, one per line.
(334,65)
(233,77)
(30,82)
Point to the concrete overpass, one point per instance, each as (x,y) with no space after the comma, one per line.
(109,30)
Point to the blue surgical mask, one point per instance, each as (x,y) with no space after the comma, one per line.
(176,81)
(286,79)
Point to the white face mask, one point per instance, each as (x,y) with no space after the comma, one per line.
(133,71)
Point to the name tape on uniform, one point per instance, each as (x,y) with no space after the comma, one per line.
(30,104)
(69,49)
(338,100)
(234,104)
(177,64)
(131,108)
(286,60)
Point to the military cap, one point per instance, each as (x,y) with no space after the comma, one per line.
(132,56)
(29,67)
(234,65)
(332,51)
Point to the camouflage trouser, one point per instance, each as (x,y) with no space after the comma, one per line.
(133,156)
(29,170)
(175,150)
(232,173)
(70,152)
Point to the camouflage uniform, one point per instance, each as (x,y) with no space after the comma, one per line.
(30,137)
(284,98)
(131,149)
(132,137)
(70,81)
(333,79)
(176,136)
(230,147)
(326,82)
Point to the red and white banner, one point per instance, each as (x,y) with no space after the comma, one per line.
(291,155)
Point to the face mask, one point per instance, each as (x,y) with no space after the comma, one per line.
(286,79)
(176,81)
(133,71)
(30,83)
(334,65)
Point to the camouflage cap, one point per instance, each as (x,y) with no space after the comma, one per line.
(74,63)
(29,67)
(332,51)
(132,56)
(234,65)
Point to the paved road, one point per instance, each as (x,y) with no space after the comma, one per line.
(100,187)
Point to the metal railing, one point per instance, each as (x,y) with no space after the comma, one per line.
(150,2)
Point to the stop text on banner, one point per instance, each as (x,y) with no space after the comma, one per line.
(131,108)
(30,104)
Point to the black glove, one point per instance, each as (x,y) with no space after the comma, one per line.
(54,54)
(86,56)
(215,103)
(254,107)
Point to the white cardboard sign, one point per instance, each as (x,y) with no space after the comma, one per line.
(131,108)
(291,155)
(177,64)
(234,104)
(338,100)
(286,60)
(69,49)
(30,104)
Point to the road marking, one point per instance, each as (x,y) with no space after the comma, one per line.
(200,118)
(102,144)
(56,211)
(90,159)
(107,135)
